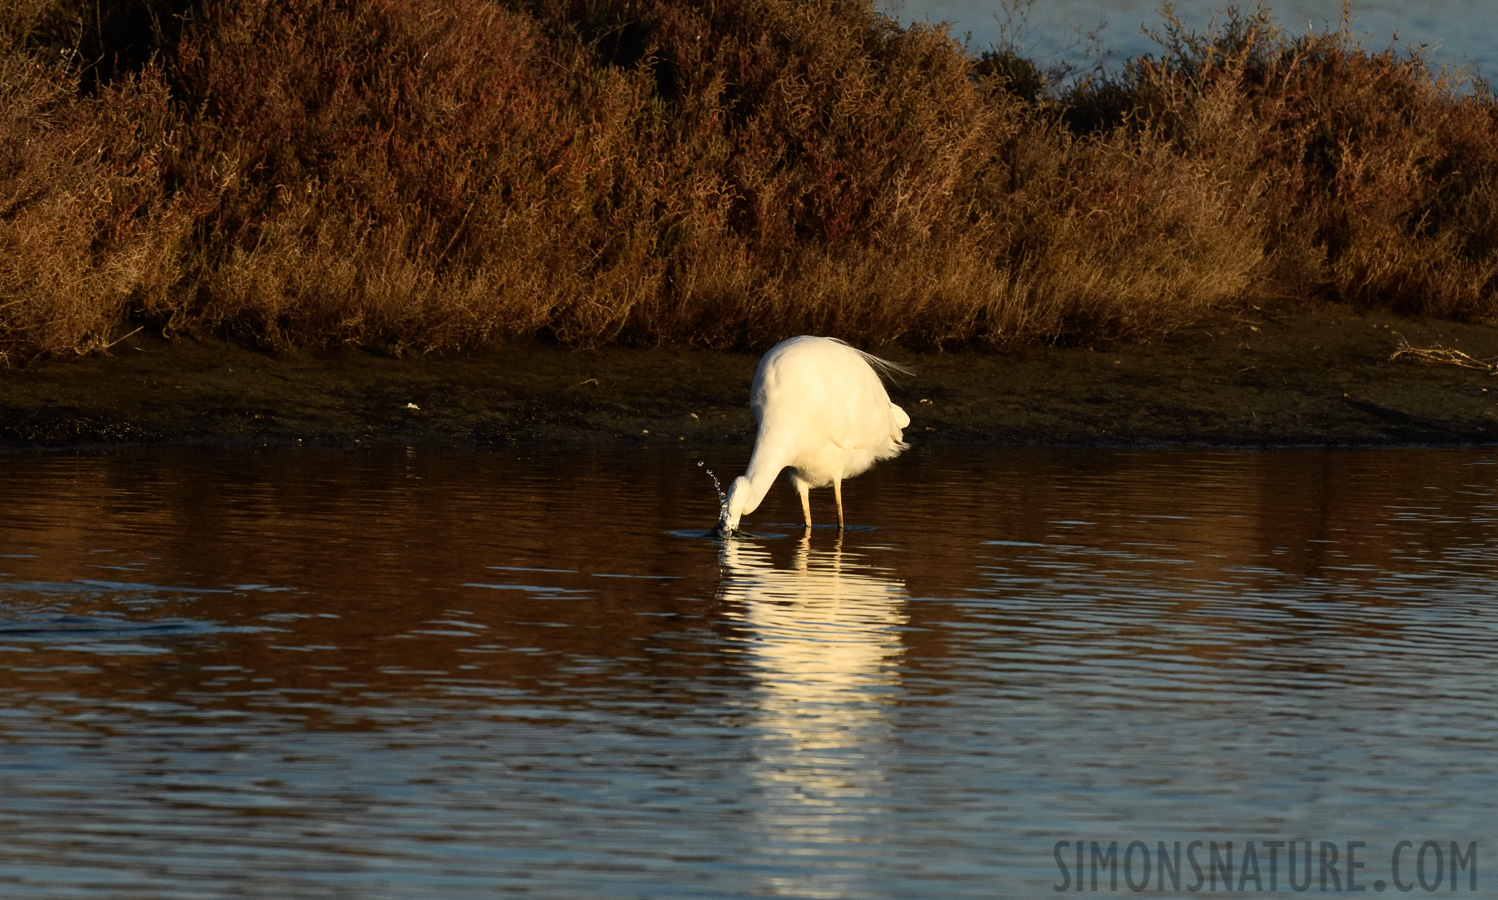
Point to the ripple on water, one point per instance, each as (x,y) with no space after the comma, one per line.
(103,617)
(387,675)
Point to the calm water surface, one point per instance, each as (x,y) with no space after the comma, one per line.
(442,674)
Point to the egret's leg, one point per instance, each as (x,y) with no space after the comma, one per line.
(837,491)
(805,491)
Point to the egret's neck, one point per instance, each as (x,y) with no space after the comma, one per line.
(749,489)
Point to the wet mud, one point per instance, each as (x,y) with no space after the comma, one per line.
(1268,378)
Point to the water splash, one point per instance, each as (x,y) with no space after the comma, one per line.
(722,497)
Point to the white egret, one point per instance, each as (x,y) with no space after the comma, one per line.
(823,413)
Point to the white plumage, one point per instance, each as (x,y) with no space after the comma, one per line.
(823,413)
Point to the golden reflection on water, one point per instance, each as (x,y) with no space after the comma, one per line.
(824,645)
(488,568)
(825,637)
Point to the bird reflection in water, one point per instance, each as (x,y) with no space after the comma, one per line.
(823,641)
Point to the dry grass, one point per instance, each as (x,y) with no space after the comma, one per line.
(452,173)
(87,229)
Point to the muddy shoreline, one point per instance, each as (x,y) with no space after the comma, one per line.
(1269,378)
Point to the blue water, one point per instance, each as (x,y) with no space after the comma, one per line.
(1453,32)
(451,674)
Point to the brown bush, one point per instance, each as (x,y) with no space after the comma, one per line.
(1378,173)
(462,176)
(455,172)
(86,227)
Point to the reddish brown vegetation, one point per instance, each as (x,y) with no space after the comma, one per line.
(449,173)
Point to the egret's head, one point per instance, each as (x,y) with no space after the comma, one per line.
(733,509)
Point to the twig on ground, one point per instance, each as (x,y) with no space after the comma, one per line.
(118,339)
(1440,356)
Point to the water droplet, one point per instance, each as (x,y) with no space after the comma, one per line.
(722,498)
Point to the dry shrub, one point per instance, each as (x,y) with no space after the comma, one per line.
(383,172)
(476,173)
(1377,173)
(455,172)
(1122,239)
(21,19)
(86,229)
(811,151)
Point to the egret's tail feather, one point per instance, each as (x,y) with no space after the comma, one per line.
(882,366)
